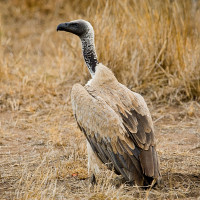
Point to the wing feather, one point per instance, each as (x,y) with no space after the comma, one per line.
(120,133)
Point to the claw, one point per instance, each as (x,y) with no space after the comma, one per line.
(93,179)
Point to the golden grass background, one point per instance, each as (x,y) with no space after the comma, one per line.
(152,46)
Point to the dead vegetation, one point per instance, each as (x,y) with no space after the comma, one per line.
(152,46)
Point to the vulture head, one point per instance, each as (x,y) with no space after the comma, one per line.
(81,28)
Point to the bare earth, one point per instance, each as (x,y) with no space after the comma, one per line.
(33,166)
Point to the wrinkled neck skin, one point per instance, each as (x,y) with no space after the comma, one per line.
(89,53)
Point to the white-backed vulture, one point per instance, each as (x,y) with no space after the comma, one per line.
(115,121)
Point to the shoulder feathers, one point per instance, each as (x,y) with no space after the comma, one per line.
(118,126)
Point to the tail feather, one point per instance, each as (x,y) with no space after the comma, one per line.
(147,164)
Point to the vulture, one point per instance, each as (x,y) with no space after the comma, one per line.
(116,121)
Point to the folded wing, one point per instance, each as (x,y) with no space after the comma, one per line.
(119,132)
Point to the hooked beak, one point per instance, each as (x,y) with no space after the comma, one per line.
(62,27)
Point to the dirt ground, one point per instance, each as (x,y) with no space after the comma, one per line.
(33,166)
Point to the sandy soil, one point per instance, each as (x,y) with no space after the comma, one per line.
(33,165)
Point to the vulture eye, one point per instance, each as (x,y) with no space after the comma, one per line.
(75,25)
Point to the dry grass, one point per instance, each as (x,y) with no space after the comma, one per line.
(152,46)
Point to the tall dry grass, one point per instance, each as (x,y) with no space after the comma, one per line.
(152,46)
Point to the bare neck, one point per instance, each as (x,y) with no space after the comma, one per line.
(89,53)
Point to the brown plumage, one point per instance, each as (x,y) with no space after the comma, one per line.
(116,122)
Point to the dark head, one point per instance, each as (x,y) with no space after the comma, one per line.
(80,28)
(85,31)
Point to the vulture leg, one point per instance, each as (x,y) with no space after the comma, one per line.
(93,179)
